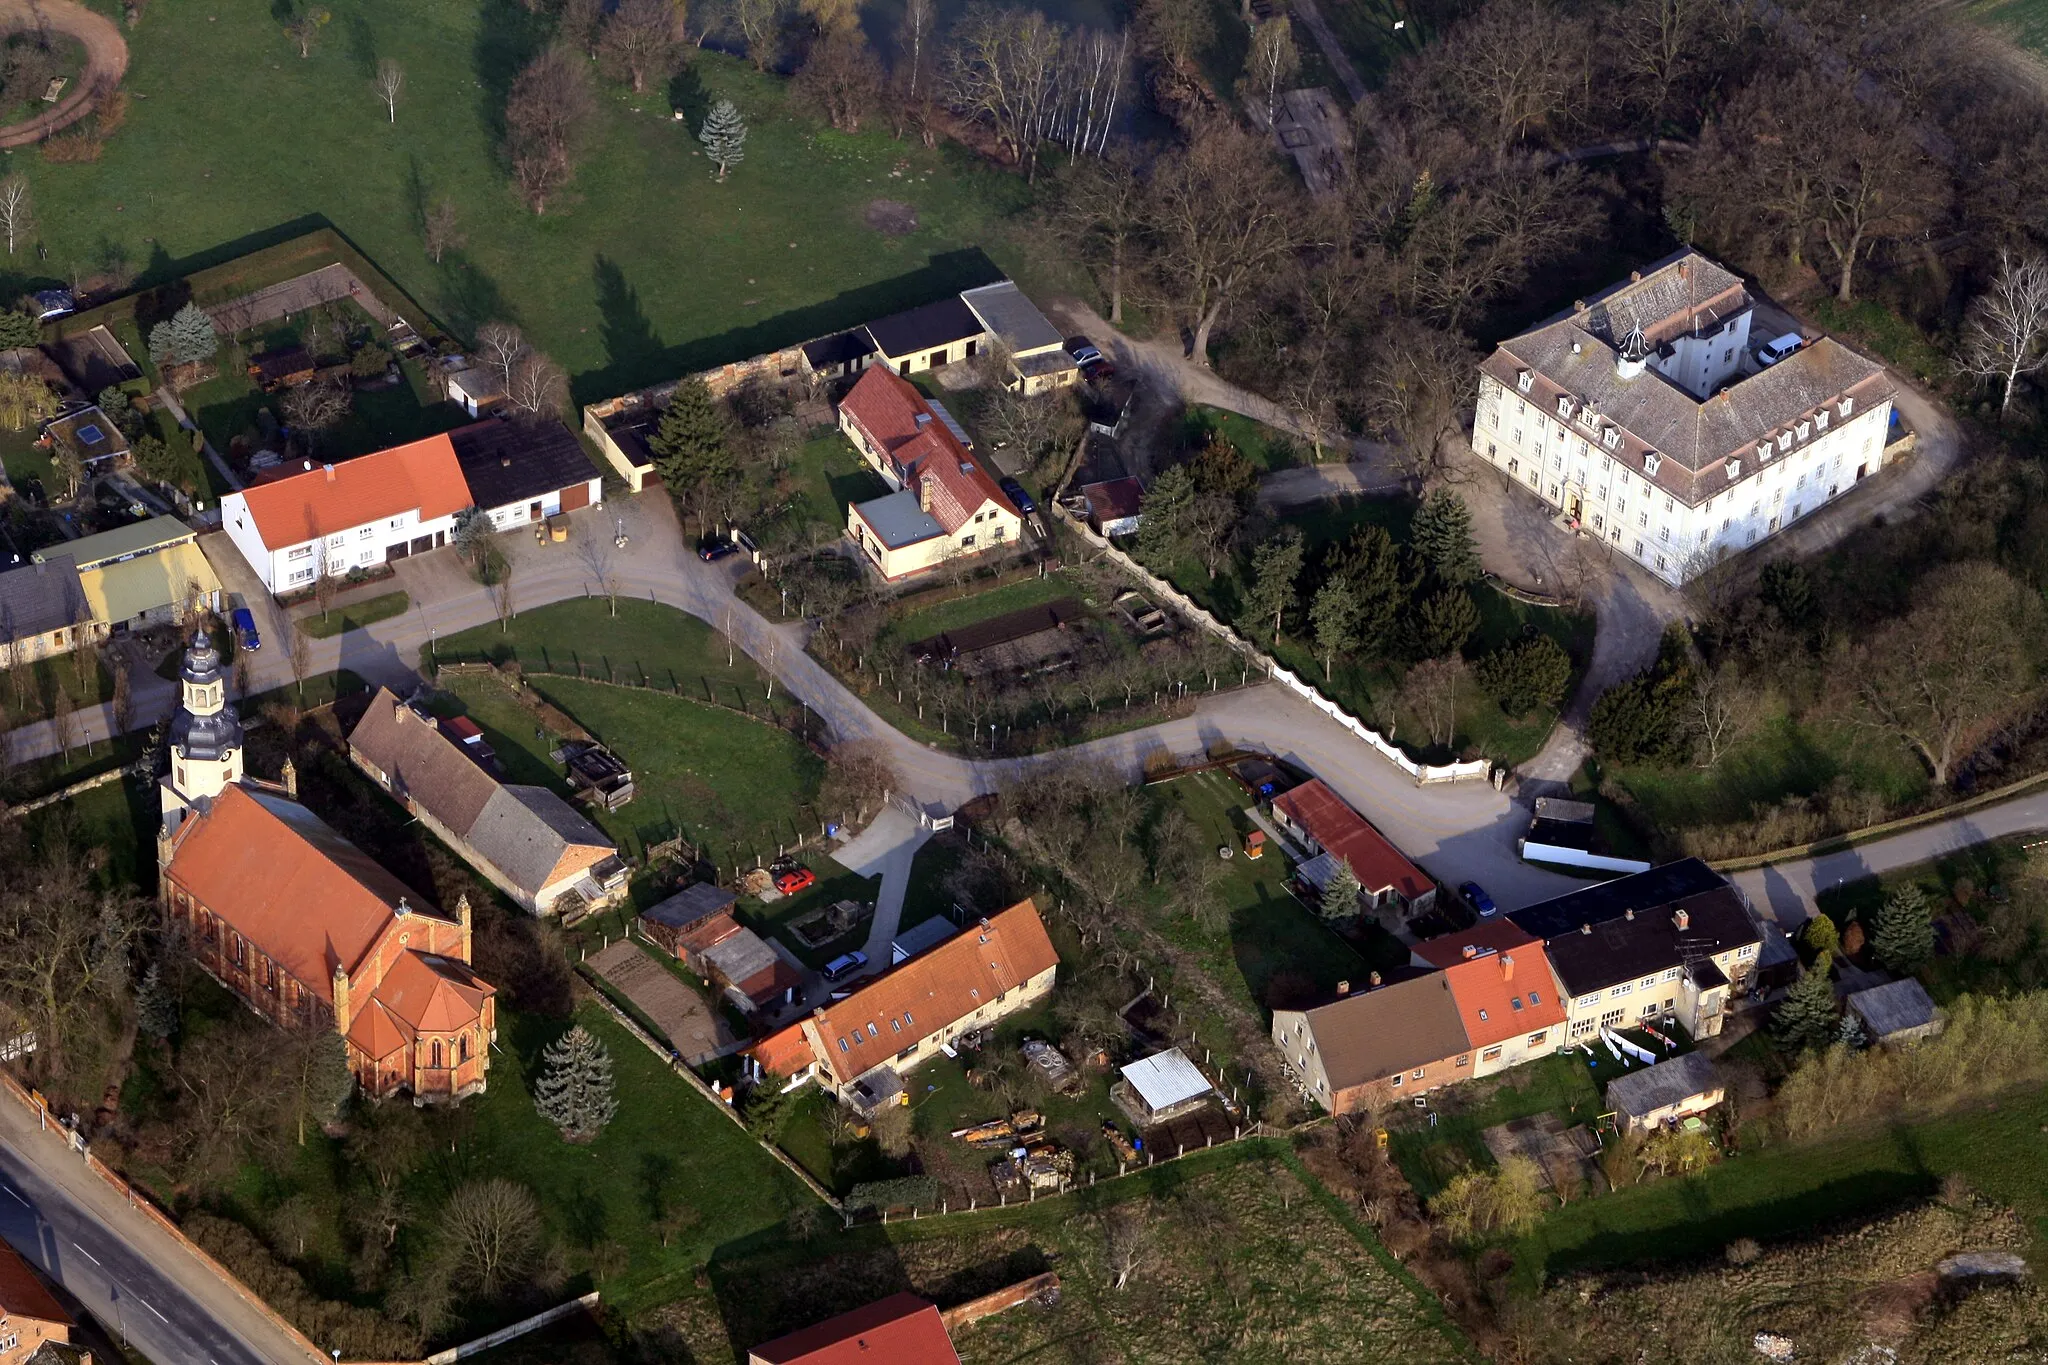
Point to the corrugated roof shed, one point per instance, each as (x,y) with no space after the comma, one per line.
(1166,1079)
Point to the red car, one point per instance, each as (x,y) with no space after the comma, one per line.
(794,880)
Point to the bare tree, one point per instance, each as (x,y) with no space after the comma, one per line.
(65,936)
(841,80)
(491,1230)
(64,720)
(1126,1244)
(1102,212)
(917,44)
(501,594)
(1719,711)
(640,39)
(390,82)
(546,115)
(301,656)
(1430,692)
(304,29)
(1003,67)
(859,776)
(1225,220)
(538,387)
(442,232)
(499,345)
(759,25)
(2004,337)
(596,554)
(1419,384)
(1876,184)
(17,213)
(1271,64)
(313,408)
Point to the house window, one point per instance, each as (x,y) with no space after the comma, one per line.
(1622,989)
(1515,1003)
(966,541)
(1535,999)
(842,1045)
(1465,1060)
(462,1048)
(303,552)
(1418,1072)
(366,533)
(1612,1017)
(396,522)
(437,1055)
(1536,1039)
(1491,1054)
(1524,380)
(873,1031)
(1397,1082)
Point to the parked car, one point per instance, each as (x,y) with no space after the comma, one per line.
(246,637)
(845,965)
(1476,897)
(791,880)
(712,550)
(1084,351)
(1773,351)
(1014,491)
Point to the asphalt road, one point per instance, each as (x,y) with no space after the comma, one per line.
(130,1275)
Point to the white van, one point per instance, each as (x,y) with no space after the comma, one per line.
(1771,352)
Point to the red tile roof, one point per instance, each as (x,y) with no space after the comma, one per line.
(23,1295)
(1487,936)
(423,475)
(784,1053)
(931,991)
(902,1329)
(284,880)
(432,993)
(953,484)
(1505,995)
(1344,833)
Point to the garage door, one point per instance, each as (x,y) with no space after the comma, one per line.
(575,496)
(398,551)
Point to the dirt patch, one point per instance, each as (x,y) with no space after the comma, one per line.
(673,1007)
(891,218)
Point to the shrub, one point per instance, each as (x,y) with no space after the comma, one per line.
(1635,722)
(360,1333)
(1743,1251)
(73,147)
(910,1191)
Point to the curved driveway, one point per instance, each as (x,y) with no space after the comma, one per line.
(106,61)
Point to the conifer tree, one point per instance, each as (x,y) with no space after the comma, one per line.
(1904,938)
(574,1091)
(724,136)
(690,446)
(1806,1017)
(1442,534)
(188,337)
(1340,893)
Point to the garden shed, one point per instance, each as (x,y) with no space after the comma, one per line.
(1896,1013)
(1162,1087)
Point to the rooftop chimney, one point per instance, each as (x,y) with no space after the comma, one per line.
(1343,988)
(1470,952)
(330,472)
(1507,967)
(1635,276)
(1585,928)
(1372,981)
(1680,919)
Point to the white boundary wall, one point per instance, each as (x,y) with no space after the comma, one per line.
(1577,857)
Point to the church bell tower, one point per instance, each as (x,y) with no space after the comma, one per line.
(206,734)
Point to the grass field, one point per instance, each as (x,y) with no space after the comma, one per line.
(1270,450)
(646,269)
(646,641)
(356,615)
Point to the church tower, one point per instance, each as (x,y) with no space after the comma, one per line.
(206,734)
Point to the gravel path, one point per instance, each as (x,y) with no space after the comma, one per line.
(106,61)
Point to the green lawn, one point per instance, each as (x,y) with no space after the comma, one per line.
(917,622)
(1430,1155)
(26,462)
(736,786)
(827,477)
(646,641)
(1265,447)
(645,269)
(32,696)
(1788,1191)
(356,615)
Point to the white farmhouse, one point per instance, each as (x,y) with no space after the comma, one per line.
(329,519)
(1644,416)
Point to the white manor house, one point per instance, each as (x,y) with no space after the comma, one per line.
(1648,419)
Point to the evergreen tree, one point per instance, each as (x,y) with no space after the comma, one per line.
(1821,936)
(692,447)
(1166,516)
(1276,564)
(1635,722)
(1524,676)
(156,1007)
(187,338)
(1370,564)
(1806,1016)
(1334,617)
(1851,1035)
(574,1091)
(724,136)
(1447,620)
(1442,536)
(1340,893)
(18,329)
(1904,938)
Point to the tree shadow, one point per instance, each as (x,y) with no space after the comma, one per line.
(362,44)
(688,97)
(509,37)
(469,296)
(629,338)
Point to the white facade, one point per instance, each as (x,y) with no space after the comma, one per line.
(291,568)
(529,510)
(1564,463)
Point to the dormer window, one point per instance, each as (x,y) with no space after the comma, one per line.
(1804,430)
(1651,459)
(1784,440)
(1564,405)
(1524,380)
(1763,451)
(1846,406)
(1611,438)
(1734,470)
(1820,419)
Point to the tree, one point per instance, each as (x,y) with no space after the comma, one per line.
(1876,183)
(499,346)
(1442,535)
(1126,1242)
(312,1068)
(186,338)
(841,80)
(473,533)
(25,399)
(1430,692)
(1904,940)
(1447,620)
(490,1231)
(1179,31)
(1334,617)
(390,82)
(1821,937)
(574,1091)
(759,24)
(1271,64)
(692,447)
(917,48)
(155,461)
(2005,337)
(1805,1018)
(441,230)
(1225,219)
(1419,384)
(1001,68)
(17,212)
(304,29)
(547,113)
(1276,567)
(1165,513)
(1478,1204)
(1718,711)
(538,386)
(156,1006)
(64,947)
(1524,676)
(1102,212)
(1634,722)
(1941,677)
(724,136)
(859,776)
(316,407)
(18,329)
(1370,565)
(640,40)
(69,464)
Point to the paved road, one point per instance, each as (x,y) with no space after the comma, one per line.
(129,1273)
(1787,890)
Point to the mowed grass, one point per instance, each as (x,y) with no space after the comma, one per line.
(644,269)
(356,615)
(645,643)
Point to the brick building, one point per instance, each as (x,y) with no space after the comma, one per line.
(33,1326)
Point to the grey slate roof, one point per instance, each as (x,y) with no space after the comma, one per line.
(1011,316)
(897,520)
(36,599)
(924,329)
(1893,1007)
(694,903)
(1676,294)
(1646,1091)
(741,957)
(924,937)
(525,831)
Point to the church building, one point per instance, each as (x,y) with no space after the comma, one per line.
(304,926)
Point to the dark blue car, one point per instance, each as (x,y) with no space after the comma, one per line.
(1476,897)
(246,637)
(1015,492)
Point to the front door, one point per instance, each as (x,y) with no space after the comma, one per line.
(1576,506)
(533,512)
